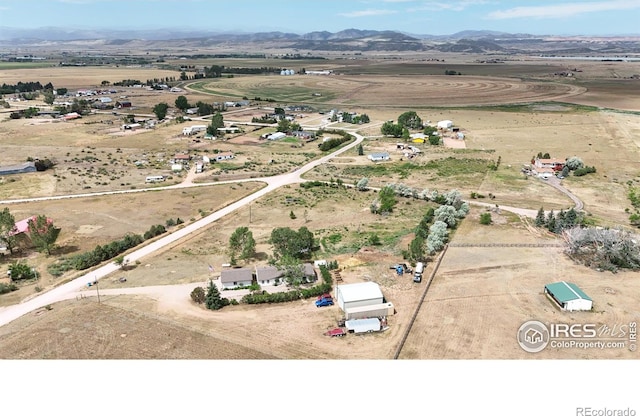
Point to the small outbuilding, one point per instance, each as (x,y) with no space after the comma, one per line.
(568,296)
(358,294)
(445,124)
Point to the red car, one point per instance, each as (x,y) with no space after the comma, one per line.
(325,296)
(337,332)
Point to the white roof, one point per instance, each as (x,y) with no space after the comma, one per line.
(368,323)
(359,291)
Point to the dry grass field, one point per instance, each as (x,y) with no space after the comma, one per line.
(478,298)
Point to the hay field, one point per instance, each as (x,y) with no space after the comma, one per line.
(83,77)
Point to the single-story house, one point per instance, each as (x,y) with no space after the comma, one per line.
(377,157)
(568,296)
(22,226)
(25,167)
(181,158)
(233,278)
(223,156)
(193,110)
(268,275)
(310,272)
(555,164)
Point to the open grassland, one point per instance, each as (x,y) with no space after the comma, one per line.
(101,220)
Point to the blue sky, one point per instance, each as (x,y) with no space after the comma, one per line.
(555,17)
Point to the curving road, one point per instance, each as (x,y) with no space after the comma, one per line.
(68,290)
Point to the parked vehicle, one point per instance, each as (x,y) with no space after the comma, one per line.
(417,276)
(324,302)
(336,332)
(325,296)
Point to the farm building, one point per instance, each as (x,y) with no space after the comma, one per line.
(176,167)
(368,311)
(555,164)
(181,158)
(276,136)
(445,124)
(568,296)
(223,156)
(358,294)
(377,157)
(268,275)
(233,278)
(25,167)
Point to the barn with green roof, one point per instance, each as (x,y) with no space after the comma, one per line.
(568,296)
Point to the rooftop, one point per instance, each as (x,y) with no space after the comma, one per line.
(565,292)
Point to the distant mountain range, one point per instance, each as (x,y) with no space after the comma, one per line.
(470,41)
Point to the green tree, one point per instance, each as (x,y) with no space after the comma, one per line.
(198,295)
(22,271)
(217,122)
(292,215)
(160,110)
(183,76)
(7,227)
(410,120)
(540,220)
(289,243)
(48,97)
(43,233)
(551,222)
(182,103)
(485,218)
(292,270)
(434,140)
(417,249)
(387,199)
(242,244)
(360,150)
(213,300)
(374,240)
(390,129)
(284,125)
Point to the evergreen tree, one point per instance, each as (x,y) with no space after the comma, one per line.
(540,221)
(551,222)
(42,233)
(213,300)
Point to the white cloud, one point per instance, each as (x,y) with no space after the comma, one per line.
(455,6)
(564,10)
(365,13)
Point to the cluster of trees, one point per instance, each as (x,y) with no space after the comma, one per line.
(204,109)
(211,298)
(334,142)
(21,87)
(557,223)
(22,271)
(602,248)
(351,118)
(384,202)
(217,122)
(406,121)
(41,232)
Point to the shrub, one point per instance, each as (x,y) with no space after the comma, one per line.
(7,288)
(485,218)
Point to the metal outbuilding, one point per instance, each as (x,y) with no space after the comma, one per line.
(568,296)
(358,294)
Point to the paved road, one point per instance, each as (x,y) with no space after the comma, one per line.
(69,290)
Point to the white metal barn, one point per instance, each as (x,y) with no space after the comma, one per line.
(358,294)
(445,124)
(568,296)
(368,311)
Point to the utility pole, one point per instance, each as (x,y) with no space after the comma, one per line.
(95,283)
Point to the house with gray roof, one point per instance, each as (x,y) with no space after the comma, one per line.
(234,278)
